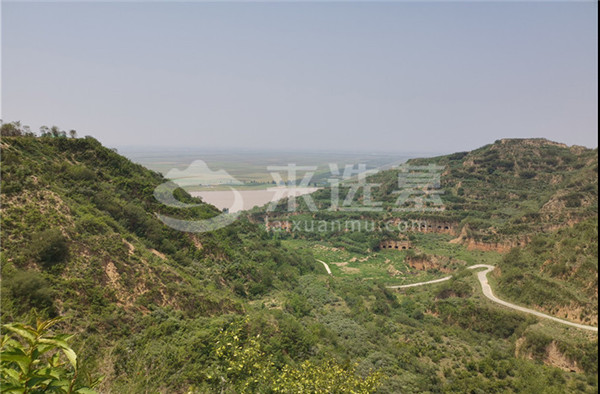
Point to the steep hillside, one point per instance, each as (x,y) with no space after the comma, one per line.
(557,273)
(99,208)
(80,239)
(498,195)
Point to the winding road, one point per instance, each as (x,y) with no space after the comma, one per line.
(487,291)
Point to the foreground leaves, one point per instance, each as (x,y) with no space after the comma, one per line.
(32,362)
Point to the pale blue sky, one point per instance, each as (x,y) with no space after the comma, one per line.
(428,77)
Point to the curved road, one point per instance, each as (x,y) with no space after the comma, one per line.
(420,283)
(487,291)
(325,265)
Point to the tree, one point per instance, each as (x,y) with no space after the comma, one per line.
(242,366)
(32,291)
(32,360)
(55,131)
(45,131)
(73,133)
(12,129)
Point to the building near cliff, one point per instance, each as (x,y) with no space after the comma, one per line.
(396,244)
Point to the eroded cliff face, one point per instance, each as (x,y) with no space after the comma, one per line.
(427,262)
(500,247)
(504,246)
(550,355)
(396,244)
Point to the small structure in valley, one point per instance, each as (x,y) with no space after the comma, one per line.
(396,244)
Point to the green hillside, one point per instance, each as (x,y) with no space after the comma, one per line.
(240,310)
(513,187)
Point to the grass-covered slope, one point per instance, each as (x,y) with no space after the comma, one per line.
(502,193)
(556,273)
(80,239)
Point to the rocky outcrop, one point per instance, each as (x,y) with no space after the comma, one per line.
(283,225)
(429,262)
(501,246)
(552,356)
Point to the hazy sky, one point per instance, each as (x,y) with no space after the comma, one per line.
(404,76)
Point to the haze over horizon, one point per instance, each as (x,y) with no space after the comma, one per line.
(389,77)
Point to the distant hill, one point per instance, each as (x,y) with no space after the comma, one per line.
(513,187)
(501,192)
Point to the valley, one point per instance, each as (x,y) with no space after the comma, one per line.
(128,284)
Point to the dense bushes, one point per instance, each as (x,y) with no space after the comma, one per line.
(555,270)
(80,173)
(454,288)
(49,247)
(32,291)
(465,314)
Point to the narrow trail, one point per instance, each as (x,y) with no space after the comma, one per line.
(487,291)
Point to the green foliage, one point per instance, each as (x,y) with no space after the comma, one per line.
(243,367)
(555,270)
(32,290)
(91,224)
(80,173)
(12,129)
(465,314)
(453,288)
(49,247)
(32,360)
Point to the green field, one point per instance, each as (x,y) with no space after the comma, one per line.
(389,266)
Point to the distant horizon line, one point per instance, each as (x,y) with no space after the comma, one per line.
(157,149)
(141,148)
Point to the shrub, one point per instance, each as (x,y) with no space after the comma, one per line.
(32,291)
(454,288)
(80,173)
(91,224)
(572,200)
(527,174)
(49,247)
